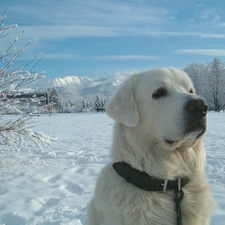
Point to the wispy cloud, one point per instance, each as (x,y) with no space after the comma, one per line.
(61,56)
(59,32)
(209,52)
(56,56)
(221,24)
(124,57)
(62,32)
(91,13)
(69,18)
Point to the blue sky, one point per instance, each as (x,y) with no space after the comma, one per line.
(97,38)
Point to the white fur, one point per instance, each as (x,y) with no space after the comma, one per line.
(142,126)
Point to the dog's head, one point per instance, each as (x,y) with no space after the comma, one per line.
(163,104)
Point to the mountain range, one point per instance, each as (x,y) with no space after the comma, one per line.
(75,88)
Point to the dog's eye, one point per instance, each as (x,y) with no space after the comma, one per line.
(159,93)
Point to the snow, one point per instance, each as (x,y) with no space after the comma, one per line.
(117,78)
(71,80)
(53,187)
(68,82)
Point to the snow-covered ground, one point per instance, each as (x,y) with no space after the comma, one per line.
(55,186)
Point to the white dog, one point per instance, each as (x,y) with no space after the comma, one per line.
(157,175)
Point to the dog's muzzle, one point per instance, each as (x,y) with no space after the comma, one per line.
(196,110)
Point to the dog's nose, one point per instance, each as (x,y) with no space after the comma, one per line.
(197,107)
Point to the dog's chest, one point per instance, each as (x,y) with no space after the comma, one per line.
(135,206)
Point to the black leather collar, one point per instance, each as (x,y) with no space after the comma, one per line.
(146,182)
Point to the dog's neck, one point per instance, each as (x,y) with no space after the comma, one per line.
(152,158)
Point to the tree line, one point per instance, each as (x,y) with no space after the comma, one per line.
(56,105)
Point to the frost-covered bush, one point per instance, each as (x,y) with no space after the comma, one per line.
(16,131)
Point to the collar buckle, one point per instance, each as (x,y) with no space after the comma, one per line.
(179,184)
(165,185)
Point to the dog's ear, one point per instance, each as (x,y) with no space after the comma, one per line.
(122,106)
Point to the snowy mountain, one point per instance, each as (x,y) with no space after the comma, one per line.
(75,82)
(75,88)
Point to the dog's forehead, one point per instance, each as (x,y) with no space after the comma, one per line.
(166,78)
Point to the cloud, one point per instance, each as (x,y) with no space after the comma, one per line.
(62,32)
(208,52)
(124,57)
(59,32)
(183,34)
(61,56)
(56,56)
(221,25)
(90,12)
(71,19)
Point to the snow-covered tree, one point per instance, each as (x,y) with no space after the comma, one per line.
(205,81)
(85,106)
(100,104)
(67,107)
(97,104)
(15,134)
(54,99)
(217,82)
(197,74)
